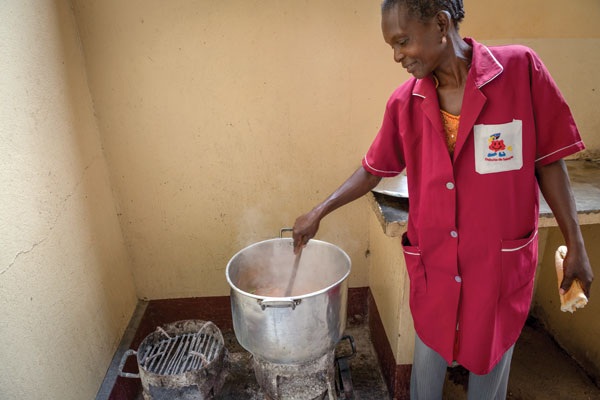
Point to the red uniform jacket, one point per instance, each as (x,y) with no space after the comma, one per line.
(471,244)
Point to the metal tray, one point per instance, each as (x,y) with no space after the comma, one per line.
(396,186)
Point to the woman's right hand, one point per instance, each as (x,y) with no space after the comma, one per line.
(305,228)
(307,225)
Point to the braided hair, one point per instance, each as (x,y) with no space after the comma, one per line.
(425,9)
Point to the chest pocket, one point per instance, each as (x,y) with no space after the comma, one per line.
(498,148)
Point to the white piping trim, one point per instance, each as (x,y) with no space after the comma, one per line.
(378,170)
(566,147)
(518,248)
(414,254)
(493,77)
(420,95)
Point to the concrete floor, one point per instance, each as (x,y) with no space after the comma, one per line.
(540,370)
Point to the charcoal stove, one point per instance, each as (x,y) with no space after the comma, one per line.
(185,360)
(327,377)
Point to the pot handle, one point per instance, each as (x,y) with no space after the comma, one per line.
(285,230)
(278,303)
(122,364)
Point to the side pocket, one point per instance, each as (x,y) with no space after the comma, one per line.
(519,260)
(414,266)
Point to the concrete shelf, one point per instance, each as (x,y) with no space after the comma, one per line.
(392,212)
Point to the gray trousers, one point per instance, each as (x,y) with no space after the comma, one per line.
(429,372)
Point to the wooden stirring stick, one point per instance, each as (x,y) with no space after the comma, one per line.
(290,286)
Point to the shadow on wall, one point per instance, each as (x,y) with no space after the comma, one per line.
(112,291)
(66,293)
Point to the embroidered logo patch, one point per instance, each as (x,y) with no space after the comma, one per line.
(498,148)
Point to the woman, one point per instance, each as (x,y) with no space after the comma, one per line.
(478,130)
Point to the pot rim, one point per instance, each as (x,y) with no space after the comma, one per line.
(304,296)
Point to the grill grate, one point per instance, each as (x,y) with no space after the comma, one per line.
(181,353)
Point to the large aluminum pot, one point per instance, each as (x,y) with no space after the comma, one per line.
(294,329)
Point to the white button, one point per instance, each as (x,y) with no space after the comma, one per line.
(454,234)
(449,185)
(457,278)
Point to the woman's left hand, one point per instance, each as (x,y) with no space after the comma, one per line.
(577,266)
(555,185)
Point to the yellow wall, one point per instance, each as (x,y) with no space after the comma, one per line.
(531,19)
(66,290)
(390,286)
(222,121)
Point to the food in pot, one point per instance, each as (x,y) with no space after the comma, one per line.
(269,292)
(274,291)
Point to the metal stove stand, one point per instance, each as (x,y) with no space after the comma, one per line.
(326,377)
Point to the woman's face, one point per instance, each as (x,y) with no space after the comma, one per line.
(416,44)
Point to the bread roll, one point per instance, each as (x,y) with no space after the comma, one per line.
(574,298)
